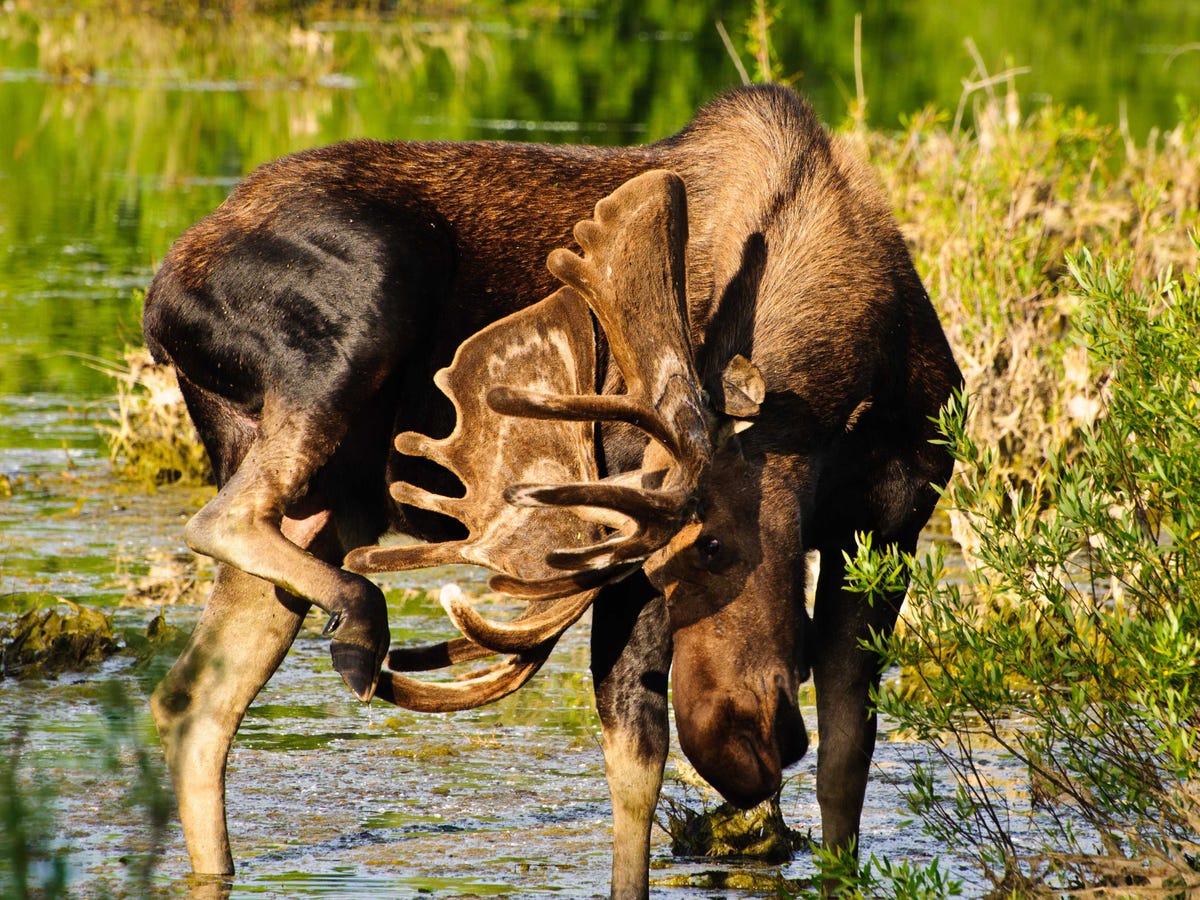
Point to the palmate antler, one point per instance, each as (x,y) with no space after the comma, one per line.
(536,511)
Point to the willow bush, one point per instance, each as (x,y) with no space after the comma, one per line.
(1072,645)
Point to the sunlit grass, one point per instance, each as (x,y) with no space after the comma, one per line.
(250,43)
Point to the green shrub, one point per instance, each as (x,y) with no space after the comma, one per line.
(1071,644)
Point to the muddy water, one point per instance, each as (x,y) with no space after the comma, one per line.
(327,798)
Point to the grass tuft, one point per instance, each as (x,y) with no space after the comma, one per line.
(152,439)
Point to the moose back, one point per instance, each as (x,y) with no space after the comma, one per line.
(663,375)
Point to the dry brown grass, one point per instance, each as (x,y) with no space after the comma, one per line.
(247,41)
(152,438)
(990,217)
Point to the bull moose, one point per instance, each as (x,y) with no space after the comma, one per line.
(728,361)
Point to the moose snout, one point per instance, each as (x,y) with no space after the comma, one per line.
(740,743)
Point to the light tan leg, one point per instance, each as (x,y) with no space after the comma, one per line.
(634,782)
(631,653)
(242,527)
(242,636)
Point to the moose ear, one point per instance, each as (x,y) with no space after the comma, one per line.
(742,391)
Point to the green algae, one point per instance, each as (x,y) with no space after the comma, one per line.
(46,642)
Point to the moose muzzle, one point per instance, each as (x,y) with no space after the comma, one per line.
(739,732)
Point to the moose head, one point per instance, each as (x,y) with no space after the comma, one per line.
(702,514)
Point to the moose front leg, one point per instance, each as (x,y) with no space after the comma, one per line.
(242,636)
(243,527)
(845,673)
(631,654)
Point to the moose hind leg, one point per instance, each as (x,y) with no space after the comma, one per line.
(631,653)
(243,634)
(241,526)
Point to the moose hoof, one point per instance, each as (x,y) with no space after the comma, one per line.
(358,666)
(358,649)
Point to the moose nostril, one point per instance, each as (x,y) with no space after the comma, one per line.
(790,733)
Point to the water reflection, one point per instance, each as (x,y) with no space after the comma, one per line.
(107,155)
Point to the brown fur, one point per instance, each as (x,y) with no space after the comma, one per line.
(308,313)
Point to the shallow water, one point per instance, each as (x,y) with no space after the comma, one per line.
(327,797)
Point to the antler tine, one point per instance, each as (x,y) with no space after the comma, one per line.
(637,503)
(531,630)
(633,251)
(483,686)
(431,657)
(551,347)
(564,586)
(403,558)
(480,686)
(631,275)
(586,408)
(633,279)
(475,688)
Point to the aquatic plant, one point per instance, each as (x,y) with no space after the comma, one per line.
(45,642)
(70,637)
(700,825)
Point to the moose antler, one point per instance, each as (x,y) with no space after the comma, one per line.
(632,276)
(536,512)
(551,344)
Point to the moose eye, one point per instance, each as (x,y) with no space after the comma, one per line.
(712,555)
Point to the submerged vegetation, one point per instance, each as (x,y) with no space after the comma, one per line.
(699,824)
(48,641)
(69,637)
